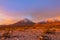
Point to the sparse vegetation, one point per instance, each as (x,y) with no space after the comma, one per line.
(46,29)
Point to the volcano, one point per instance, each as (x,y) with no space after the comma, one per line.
(24,22)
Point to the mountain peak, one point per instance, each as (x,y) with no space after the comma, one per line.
(53,20)
(25,20)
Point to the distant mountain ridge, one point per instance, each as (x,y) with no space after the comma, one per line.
(51,21)
(26,22)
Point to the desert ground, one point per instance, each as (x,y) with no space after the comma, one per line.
(29,34)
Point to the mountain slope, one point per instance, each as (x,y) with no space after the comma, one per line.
(24,22)
(46,24)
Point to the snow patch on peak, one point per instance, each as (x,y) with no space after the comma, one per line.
(25,20)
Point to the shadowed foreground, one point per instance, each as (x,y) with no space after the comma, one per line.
(28,30)
(29,34)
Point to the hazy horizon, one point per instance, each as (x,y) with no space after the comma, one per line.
(36,10)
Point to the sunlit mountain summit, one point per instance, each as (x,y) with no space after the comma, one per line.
(24,22)
(28,23)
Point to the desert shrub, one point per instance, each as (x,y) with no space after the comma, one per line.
(50,31)
(44,37)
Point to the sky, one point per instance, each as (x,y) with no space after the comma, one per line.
(36,10)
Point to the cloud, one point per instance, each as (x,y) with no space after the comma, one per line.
(7,17)
(45,14)
(4,19)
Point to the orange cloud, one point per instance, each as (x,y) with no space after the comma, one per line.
(8,21)
(36,16)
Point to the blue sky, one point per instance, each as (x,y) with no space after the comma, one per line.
(25,5)
(33,9)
